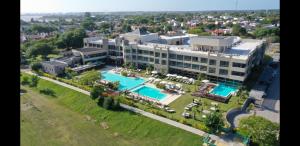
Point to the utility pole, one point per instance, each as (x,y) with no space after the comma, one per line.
(236,4)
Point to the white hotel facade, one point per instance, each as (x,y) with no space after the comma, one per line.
(221,58)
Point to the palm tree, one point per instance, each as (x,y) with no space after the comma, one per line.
(194,110)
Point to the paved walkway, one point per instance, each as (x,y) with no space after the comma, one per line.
(225,140)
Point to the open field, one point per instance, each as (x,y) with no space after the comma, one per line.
(71,118)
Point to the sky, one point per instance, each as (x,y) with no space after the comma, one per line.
(56,6)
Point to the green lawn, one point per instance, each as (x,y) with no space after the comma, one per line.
(68,110)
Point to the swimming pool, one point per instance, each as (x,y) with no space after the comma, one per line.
(223,90)
(150,92)
(125,82)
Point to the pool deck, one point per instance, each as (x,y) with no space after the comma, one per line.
(169,98)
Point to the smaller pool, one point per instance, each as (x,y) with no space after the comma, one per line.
(223,90)
(150,92)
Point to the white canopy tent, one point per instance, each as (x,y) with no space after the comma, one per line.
(154,72)
(205,81)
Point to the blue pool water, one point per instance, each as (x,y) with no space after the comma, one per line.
(125,82)
(223,90)
(150,92)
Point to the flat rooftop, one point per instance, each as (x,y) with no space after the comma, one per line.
(84,50)
(56,63)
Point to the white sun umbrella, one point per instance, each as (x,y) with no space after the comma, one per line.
(205,81)
(151,78)
(178,85)
(157,80)
(154,72)
(168,75)
(179,77)
(191,80)
(185,78)
(163,82)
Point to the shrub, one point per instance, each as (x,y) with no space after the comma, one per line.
(34,81)
(47,91)
(96,91)
(25,80)
(100,101)
(202,127)
(124,73)
(108,103)
(116,104)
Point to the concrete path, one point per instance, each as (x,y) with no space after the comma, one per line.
(225,140)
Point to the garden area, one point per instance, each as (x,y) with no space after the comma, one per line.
(70,108)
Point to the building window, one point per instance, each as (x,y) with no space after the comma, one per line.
(203,60)
(179,57)
(156,61)
(97,45)
(140,58)
(127,57)
(140,51)
(127,50)
(172,63)
(187,58)
(179,64)
(240,65)
(195,59)
(172,56)
(163,62)
(157,54)
(133,50)
(133,57)
(164,55)
(146,59)
(195,66)
(224,63)
(212,62)
(203,68)
(151,59)
(212,70)
(187,65)
(151,53)
(235,73)
(223,72)
(145,52)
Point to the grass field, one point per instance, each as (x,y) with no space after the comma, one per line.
(62,120)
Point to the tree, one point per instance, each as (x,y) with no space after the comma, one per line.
(96,91)
(87,14)
(89,77)
(260,130)
(70,73)
(126,28)
(25,80)
(238,30)
(34,81)
(36,66)
(72,39)
(108,103)
(39,48)
(88,24)
(214,121)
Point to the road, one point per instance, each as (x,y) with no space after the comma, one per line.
(227,140)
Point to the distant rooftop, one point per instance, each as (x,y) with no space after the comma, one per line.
(56,63)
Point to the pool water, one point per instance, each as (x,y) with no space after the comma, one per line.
(125,82)
(150,92)
(223,90)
